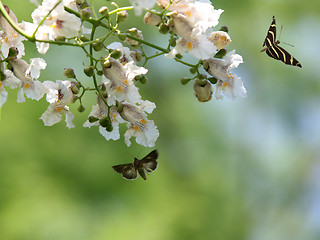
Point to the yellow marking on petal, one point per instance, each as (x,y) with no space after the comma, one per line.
(136,128)
(126,82)
(188,13)
(0,84)
(59,109)
(53,25)
(119,89)
(225,84)
(143,121)
(6,39)
(123,63)
(27,85)
(189,45)
(113,116)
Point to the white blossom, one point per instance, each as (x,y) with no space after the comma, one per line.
(58,23)
(59,95)
(10,37)
(230,85)
(118,80)
(139,126)
(26,73)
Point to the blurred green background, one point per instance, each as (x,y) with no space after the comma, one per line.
(244,169)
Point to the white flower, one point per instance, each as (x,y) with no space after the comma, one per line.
(230,85)
(139,5)
(9,37)
(118,80)
(26,73)
(191,39)
(232,89)
(100,111)
(59,95)
(139,126)
(58,23)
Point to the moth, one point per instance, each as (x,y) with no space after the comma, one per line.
(147,164)
(273,50)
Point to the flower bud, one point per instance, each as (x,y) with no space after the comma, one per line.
(193,70)
(83,38)
(75,89)
(143,79)
(221,53)
(136,55)
(97,46)
(99,73)
(184,80)
(151,19)
(122,36)
(85,14)
(119,106)
(135,33)
(203,91)
(89,71)
(105,63)
(109,128)
(104,11)
(92,119)
(224,29)
(13,52)
(116,54)
(213,80)
(163,28)
(81,108)
(105,122)
(179,56)
(122,16)
(75,98)
(69,73)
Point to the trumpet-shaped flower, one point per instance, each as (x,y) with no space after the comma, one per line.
(26,73)
(230,85)
(59,95)
(10,37)
(118,80)
(139,126)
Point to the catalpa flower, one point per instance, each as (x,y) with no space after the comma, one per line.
(230,85)
(139,126)
(58,23)
(118,80)
(9,37)
(59,95)
(100,112)
(26,73)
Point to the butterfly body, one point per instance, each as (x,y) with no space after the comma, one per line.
(273,49)
(147,164)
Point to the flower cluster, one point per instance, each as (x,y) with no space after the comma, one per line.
(115,71)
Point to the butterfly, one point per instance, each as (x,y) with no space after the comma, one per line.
(147,164)
(273,50)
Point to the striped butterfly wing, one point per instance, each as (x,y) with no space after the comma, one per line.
(274,51)
(271,35)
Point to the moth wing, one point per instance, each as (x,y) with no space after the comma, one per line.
(149,162)
(127,171)
(287,58)
(271,34)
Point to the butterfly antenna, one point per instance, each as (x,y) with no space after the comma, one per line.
(280,36)
(280,32)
